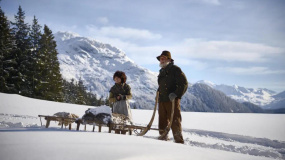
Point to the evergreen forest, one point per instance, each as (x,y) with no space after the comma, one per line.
(29,65)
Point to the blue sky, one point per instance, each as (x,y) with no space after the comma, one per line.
(223,41)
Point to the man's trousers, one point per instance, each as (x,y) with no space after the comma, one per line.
(164,112)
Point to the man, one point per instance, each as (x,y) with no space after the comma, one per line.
(172,84)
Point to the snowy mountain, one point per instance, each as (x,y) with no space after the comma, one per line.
(278,103)
(95,63)
(260,96)
(203,98)
(280,96)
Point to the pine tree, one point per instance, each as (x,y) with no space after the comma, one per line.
(50,81)
(21,31)
(101,101)
(107,101)
(7,62)
(73,91)
(68,88)
(35,41)
(35,34)
(94,100)
(22,55)
(135,106)
(81,92)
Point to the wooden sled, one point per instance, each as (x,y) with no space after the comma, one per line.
(121,127)
(57,119)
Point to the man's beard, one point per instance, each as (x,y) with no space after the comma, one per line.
(163,65)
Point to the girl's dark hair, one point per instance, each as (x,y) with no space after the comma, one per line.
(120,75)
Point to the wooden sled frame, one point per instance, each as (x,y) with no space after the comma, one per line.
(55,118)
(78,122)
(112,126)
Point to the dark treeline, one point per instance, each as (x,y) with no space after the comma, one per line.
(75,92)
(29,65)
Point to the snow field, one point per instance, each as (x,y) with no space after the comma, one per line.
(207,135)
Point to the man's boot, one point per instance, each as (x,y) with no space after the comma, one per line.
(178,137)
(165,138)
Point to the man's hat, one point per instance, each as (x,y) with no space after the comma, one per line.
(166,54)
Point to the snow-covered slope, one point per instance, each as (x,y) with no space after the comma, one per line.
(95,63)
(260,96)
(208,136)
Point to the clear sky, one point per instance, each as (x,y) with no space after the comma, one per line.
(223,41)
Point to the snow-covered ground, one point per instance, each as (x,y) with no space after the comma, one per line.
(207,135)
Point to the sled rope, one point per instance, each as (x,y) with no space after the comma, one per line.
(152,118)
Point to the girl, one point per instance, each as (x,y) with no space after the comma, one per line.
(120,93)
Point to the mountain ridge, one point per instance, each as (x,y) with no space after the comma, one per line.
(95,63)
(259,96)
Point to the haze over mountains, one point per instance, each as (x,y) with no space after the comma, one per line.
(95,63)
